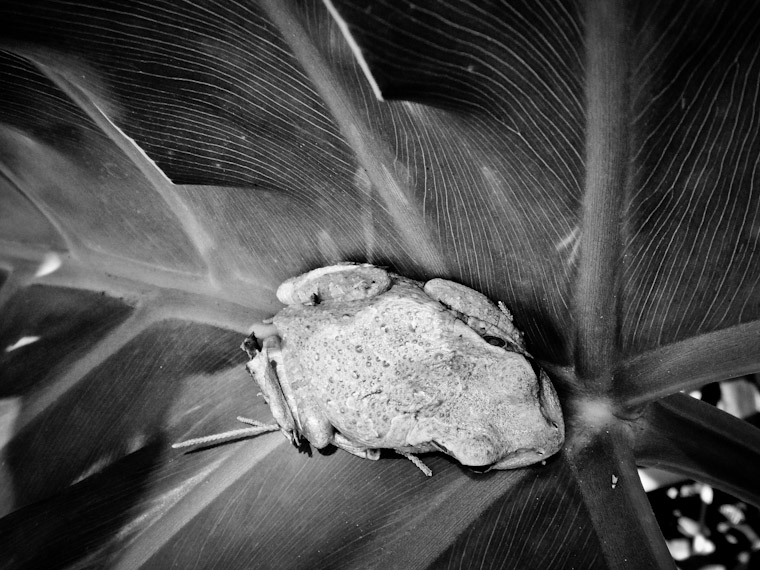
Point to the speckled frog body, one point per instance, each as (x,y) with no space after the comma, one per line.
(367,360)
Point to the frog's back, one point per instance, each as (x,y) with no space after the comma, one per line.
(365,354)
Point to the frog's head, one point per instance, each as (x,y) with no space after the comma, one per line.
(506,415)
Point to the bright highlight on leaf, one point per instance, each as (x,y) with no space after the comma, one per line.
(50,263)
(9,411)
(23,341)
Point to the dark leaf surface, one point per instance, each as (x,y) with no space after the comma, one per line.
(165,165)
(701,441)
(82,518)
(131,417)
(693,218)
(67,322)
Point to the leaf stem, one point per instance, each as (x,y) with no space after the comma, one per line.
(605,468)
(719,355)
(697,440)
(372,153)
(194,227)
(607,98)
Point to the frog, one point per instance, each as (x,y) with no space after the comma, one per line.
(364,359)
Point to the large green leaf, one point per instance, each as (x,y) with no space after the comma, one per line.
(165,165)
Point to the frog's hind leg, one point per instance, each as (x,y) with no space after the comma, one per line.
(479,312)
(308,419)
(343,282)
(262,367)
(341,441)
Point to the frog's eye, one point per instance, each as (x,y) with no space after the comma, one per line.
(495,341)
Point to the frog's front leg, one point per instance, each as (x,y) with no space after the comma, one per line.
(344,282)
(479,312)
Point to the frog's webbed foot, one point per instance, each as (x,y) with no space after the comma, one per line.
(492,322)
(342,282)
(418,462)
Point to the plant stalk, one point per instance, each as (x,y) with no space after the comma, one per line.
(607,99)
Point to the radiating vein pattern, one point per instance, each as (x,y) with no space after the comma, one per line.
(224,108)
(61,161)
(694,214)
(490,134)
(515,64)
(503,547)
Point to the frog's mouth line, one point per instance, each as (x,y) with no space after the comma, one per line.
(547,398)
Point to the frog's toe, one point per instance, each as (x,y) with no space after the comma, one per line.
(418,462)
(521,458)
(342,442)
